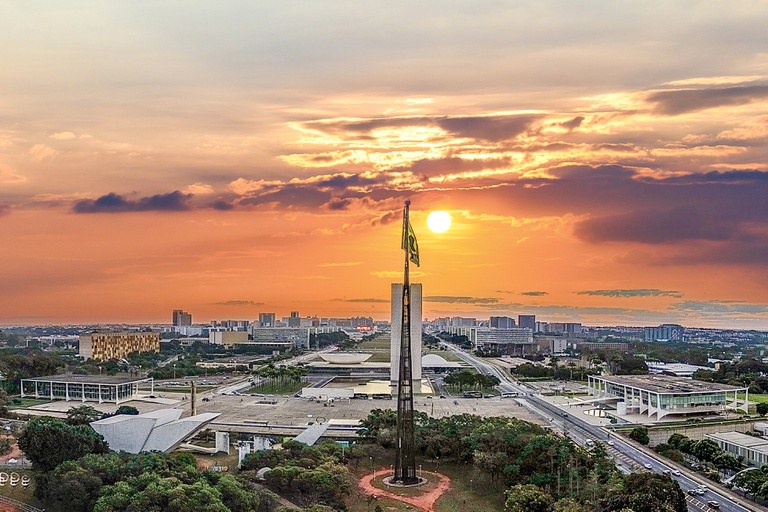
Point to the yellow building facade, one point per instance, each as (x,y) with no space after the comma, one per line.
(102,346)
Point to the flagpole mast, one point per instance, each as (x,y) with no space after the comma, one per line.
(405,459)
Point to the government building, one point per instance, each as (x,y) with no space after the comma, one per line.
(659,396)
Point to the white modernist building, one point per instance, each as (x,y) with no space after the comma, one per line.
(85,388)
(162,430)
(661,395)
(397,315)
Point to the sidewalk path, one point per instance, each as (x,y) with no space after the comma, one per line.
(425,502)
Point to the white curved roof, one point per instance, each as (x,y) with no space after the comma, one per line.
(436,361)
(345,357)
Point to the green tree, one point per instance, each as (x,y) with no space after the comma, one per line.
(640,434)
(82,415)
(150,491)
(646,492)
(48,442)
(6,445)
(236,497)
(705,450)
(127,409)
(762,408)
(570,505)
(527,498)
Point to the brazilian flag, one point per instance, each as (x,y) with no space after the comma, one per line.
(410,244)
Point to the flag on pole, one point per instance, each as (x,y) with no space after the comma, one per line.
(410,245)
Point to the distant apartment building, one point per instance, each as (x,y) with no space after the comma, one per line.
(460,321)
(361,321)
(527,322)
(502,322)
(181,318)
(231,325)
(294,320)
(664,332)
(227,338)
(266,320)
(551,344)
(102,346)
(594,346)
(563,328)
(513,341)
(287,336)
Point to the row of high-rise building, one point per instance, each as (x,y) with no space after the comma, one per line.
(182,323)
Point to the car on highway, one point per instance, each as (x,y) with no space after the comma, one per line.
(676,472)
(713,504)
(647,466)
(611,443)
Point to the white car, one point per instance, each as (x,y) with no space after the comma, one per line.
(647,466)
(676,472)
(611,443)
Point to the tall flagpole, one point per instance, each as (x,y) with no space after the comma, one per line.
(405,459)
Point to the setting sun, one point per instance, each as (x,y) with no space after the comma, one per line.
(439,221)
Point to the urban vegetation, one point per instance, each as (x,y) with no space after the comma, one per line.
(468,379)
(750,373)
(281,378)
(536,469)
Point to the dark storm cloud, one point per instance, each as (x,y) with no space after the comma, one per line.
(689,100)
(721,177)
(332,192)
(746,249)
(623,206)
(346,180)
(289,196)
(657,226)
(724,307)
(534,294)
(371,300)
(440,166)
(238,303)
(116,203)
(488,128)
(460,300)
(222,205)
(640,292)
(338,204)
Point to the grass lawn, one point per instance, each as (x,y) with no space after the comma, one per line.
(758,398)
(379,343)
(19,493)
(447,355)
(22,403)
(379,357)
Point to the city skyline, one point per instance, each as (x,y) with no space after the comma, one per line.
(602,163)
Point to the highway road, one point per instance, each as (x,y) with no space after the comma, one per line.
(627,456)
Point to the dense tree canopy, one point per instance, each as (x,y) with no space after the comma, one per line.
(148,481)
(48,442)
(646,492)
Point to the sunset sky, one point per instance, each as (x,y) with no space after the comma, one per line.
(603,162)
